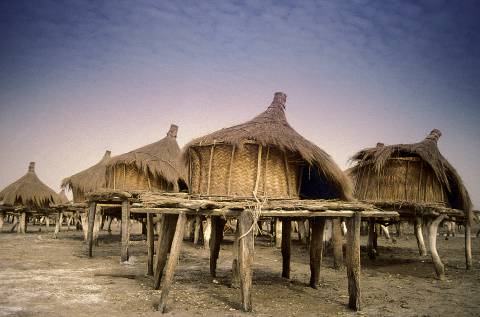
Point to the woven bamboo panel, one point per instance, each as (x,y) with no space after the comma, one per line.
(215,172)
(400,180)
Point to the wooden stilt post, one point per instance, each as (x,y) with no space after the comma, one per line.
(150,244)
(172,261)
(278,232)
(419,235)
(47,222)
(15,223)
(432,241)
(22,228)
(337,241)
(316,249)
(207,232)
(84,218)
(91,222)
(468,240)
(125,230)
(235,267)
(165,237)
(58,224)
(217,225)
(97,224)
(286,246)
(371,238)
(109,224)
(353,261)
(196,235)
(2,216)
(245,258)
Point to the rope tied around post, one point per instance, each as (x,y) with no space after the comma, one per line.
(255,213)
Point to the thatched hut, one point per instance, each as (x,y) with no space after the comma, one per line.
(154,167)
(30,193)
(89,180)
(416,180)
(265,156)
(410,173)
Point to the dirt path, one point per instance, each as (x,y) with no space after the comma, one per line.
(40,276)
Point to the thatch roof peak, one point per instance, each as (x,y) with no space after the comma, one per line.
(271,128)
(428,151)
(29,191)
(90,179)
(160,159)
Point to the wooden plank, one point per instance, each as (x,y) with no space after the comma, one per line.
(286,246)
(91,221)
(316,250)
(172,261)
(217,225)
(165,238)
(150,244)
(337,241)
(353,262)
(245,258)
(125,230)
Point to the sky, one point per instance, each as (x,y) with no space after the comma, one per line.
(80,77)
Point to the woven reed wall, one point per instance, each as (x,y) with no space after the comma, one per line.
(403,179)
(127,177)
(225,170)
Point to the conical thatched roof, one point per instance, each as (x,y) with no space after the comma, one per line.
(63,197)
(270,128)
(29,191)
(428,151)
(160,159)
(90,179)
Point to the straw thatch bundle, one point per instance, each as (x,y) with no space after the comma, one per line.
(29,191)
(89,180)
(264,155)
(409,172)
(153,167)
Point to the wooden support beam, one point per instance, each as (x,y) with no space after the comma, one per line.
(91,222)
(245,258)
(109,224)
(97,224)
(217,225)
(419,236)
(165,238)
(15,223)
(172,261)
(371,250)
(432,241)
(150,244)
(286,246)
(337,241)
(47,222)
(468,240)
(353,261)
(2,216)
(316,249)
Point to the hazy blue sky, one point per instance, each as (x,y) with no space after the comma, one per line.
(80,77)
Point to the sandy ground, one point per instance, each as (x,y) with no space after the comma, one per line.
(40,276)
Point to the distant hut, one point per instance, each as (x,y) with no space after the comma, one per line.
(63,197)
(154,167)
(409,173)
(89,180)
(265,156)
(30,193)
(413,179)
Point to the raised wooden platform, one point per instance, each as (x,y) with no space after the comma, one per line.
(175,208)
